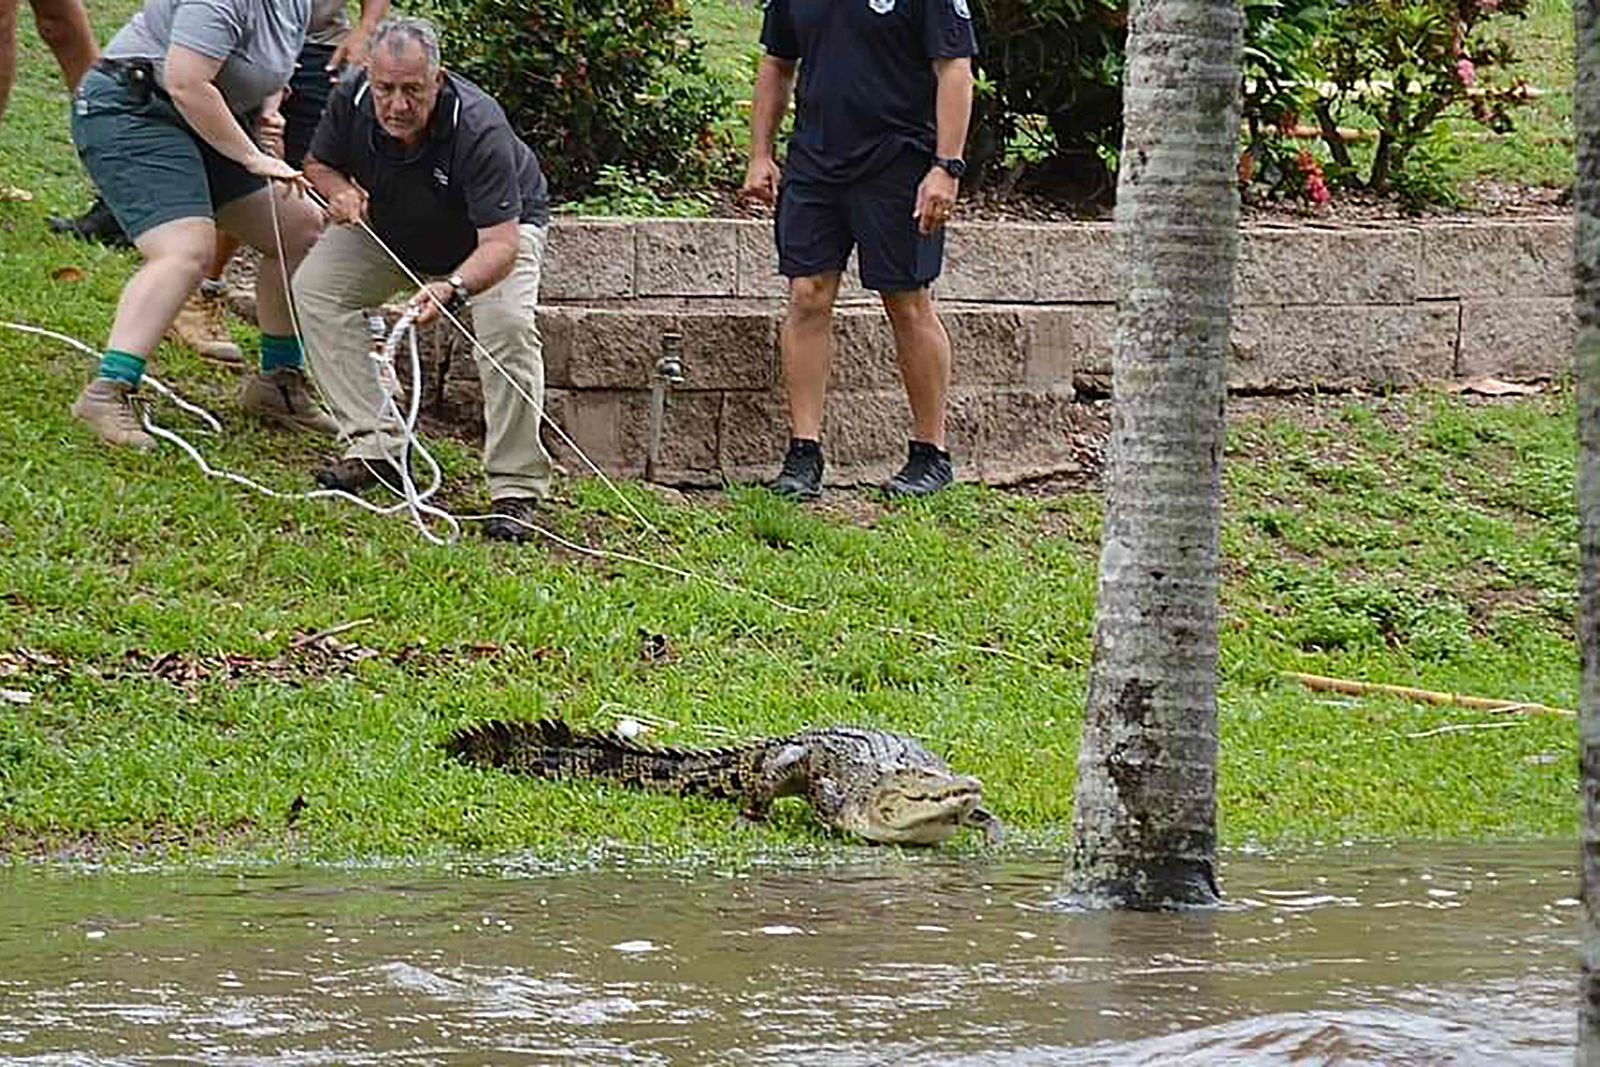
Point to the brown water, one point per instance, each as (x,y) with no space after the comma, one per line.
(1393,956)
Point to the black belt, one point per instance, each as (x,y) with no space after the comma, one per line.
(137,74)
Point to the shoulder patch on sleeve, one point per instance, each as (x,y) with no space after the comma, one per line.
(962,9)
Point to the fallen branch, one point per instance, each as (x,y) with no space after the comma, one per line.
(1425,696)
(322,635)
(1464,726)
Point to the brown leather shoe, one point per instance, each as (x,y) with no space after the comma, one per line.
(282,398)
(354,475)
(105,405)
(201,325)
(514,515)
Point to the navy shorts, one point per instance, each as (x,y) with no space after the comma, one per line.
(146,161)
(819,222)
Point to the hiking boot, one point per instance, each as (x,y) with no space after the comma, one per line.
(96,224)
(354,475)
(282,397)
(801,476)
(927,471)
(514,514)
(105,404)
(202,325)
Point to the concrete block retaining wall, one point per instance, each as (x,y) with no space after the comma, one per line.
(1030,310)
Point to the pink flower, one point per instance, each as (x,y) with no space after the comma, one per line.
(1317,191)
(1488,5)
(1466,72)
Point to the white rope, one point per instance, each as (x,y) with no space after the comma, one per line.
(416,502)
(482,350)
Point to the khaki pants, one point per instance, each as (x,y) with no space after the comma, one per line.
(346,273)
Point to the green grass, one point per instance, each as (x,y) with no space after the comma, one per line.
(1422,540)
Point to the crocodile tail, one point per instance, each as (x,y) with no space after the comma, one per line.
(549,748)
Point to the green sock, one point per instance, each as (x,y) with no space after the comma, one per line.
(279,351)
(122,367)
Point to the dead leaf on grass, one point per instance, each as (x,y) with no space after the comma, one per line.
(68,274)
(1496,387)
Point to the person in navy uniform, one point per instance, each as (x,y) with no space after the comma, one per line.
(884,96)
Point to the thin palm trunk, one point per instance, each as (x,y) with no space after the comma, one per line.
(1586,280)
(1146,795)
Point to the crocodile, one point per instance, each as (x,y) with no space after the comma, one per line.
(883,787)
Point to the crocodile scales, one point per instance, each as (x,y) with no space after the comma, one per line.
(881,786)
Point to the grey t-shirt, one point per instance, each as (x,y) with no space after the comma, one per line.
(330,24)
(258,41)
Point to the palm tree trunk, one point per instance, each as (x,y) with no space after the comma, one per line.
(1146,795)
(1586,283)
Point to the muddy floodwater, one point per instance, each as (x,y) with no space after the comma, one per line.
(1402,955)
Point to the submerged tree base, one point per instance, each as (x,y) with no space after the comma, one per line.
(1162,884)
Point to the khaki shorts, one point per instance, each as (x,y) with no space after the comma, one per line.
(148,164)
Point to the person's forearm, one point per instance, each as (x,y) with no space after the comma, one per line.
(953,106)
(206,112)
(328,182)
(487,266)
(372,13)
(774,84)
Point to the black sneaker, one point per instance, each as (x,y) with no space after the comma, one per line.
(801,477)
(355,475)
(96,224)
(927,471)
(514,516)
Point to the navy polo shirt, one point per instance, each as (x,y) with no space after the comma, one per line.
(866,87)
(428,203)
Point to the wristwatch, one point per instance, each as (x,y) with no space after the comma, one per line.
(957,168)
(459,293)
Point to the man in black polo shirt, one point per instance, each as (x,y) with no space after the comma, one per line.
(885,92)
(431,163)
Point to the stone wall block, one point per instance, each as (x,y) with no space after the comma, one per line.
(687,257)
(1517,339)
(733,350)
(1005,434)
(589,259)
(863,351)
(1278,348)
(865,435)
(754,433)
(990,262)
(1074,263)
(1326,265)
(758,261)
(1066,339)
(1504,259)
(989,343)
(613,428)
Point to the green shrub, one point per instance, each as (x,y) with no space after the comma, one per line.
(1061,60)
(1402,64)
(595,83)
(1397,65)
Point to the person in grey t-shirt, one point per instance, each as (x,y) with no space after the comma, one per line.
(165,124)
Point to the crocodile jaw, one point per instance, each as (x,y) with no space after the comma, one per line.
(916,809)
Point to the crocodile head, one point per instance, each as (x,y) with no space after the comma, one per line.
(913,806)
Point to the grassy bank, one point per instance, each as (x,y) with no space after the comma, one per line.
(158,690)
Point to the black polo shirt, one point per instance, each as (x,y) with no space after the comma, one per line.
(866,87)
(428,204)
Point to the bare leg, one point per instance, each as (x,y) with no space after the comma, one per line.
(64,26)
(250,219)
(227,245)
(174,255)
(808,350)
(923,349)
(8,51)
